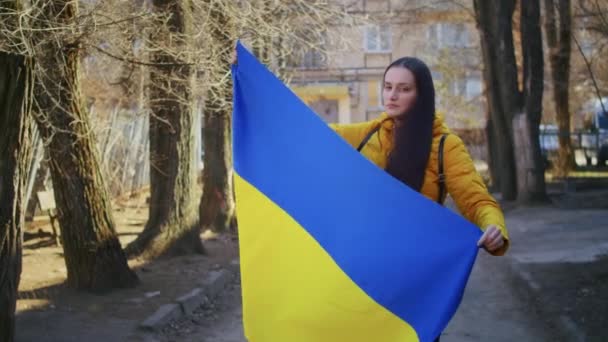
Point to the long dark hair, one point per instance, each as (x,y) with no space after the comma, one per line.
(413,136)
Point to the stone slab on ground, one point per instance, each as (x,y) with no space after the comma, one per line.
(211,286)
(190,301)
(165,314)
(216,281)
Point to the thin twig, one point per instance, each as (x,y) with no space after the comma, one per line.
(595,86)
(134,61)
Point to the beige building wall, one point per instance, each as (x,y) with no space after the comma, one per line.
(442,36)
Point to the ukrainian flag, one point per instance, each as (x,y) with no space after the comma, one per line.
(332,248)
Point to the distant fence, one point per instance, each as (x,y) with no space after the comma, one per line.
(590,145)
(124,143)
(123,146)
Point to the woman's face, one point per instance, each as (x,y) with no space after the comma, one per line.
(399,92)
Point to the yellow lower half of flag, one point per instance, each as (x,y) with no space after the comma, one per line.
(293,291)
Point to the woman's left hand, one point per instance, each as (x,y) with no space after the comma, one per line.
(491,239)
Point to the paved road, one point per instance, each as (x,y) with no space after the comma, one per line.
(493,308)
(491,311)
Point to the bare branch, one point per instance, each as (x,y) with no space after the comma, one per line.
(134,61)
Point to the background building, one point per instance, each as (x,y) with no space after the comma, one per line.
(344,84)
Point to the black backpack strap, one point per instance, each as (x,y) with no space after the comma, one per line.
(367,137)
(439,157)
(441,173)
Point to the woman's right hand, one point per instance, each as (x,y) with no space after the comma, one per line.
(492,239)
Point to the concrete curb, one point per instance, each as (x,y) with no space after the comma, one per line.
(210,287)
(192,300)
(526,280)
(162,316)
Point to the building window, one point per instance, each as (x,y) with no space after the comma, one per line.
(587,47)
(458,87)
(378,38)
(437,81)
(313,59)
(474,87)
(469,88)
(586,41)
(308,57)
(448,35)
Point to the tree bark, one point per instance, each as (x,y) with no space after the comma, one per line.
(94,258)
(558,31)
(217,204)
(515,114)
(492,156)
(500,75)
(16,84)
(172,227)
(530,166)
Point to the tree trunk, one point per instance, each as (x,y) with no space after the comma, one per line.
(217,203)
(141,85)
(94,258)
(559,59)
(500,75)
(492,156)
(530,166)
(15,158)
(171,227)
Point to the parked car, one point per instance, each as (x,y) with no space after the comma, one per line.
(549,142)
(595,140)
(594,136)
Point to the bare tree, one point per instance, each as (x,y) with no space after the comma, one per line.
(595,15)
(184,47)
(508,105)
(171,223)
(500,76)
(558,32)
(277,31)
(184,50)
(530,166)
(216,208)
(16,125)
(93,255)
(590,19)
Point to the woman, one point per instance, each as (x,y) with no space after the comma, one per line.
(405,141)
(411,142)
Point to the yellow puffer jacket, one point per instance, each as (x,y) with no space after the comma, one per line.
(463,183)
